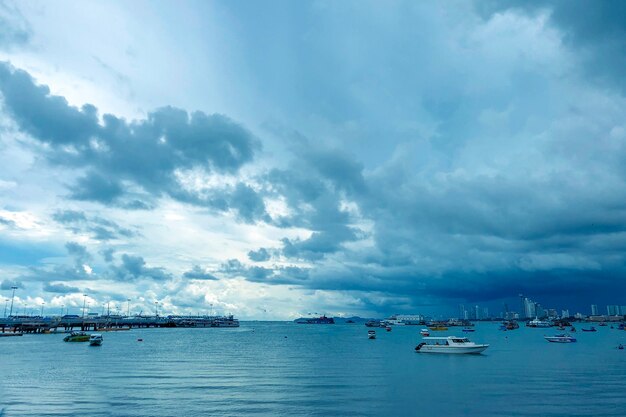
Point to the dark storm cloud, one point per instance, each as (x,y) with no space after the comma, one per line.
(99,228)
(595,30)
(134,267)
(147,153)
(60,288)
(260,255)
(198,273)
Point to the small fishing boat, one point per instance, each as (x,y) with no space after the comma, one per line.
(388,328)
(425,332)
(468,330)
(76,337)
(95,339)
(450,344)
(371,334)
(602,324)
(591,329)
(437,328)
(560,338)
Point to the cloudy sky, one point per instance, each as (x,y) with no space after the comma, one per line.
(280,158)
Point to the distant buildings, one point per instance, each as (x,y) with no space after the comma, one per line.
(594,310)
(612,310)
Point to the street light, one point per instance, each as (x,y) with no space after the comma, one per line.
(6,304)
(12,296)
(128,308)
(42,304)
(84,301)
(156,308)
(62,307)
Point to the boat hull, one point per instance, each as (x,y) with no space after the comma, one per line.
(453,350)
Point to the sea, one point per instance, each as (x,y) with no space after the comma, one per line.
(288,369)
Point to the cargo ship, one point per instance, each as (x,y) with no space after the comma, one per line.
(315,320)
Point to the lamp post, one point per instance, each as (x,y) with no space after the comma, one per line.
(156,308)
(128,307)
(6,304)
(211,313)
(62,307)
(42,304)
(12,297)
(84,302)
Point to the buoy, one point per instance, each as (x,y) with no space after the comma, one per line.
(140,340)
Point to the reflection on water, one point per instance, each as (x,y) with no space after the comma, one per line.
(322,370)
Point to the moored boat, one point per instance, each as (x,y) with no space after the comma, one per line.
(316,320)
(424,332)
(77,337)
(450,344)
(560,338)
(591,329)
(437,328)
(468,330)
(371,334)
(95,339)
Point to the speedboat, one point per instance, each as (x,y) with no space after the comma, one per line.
(425,332)
(371,334)
(468,329)
(450,344)
(592,329)
(76,337)
(388,328)
(538,323)
(560,338)
(95,339)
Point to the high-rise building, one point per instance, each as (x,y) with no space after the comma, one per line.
(623,310)
(565,314)
(461,311)
(612,310)
(477,313)
(529,308)
(594,310)
(539,311)
(485,312)
(522,306)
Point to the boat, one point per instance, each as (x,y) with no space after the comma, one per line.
(425,332)
(349,321)
(372,323)
(77,337)
(450,344)
(371,334)
(560,338)
(437,328)
(388,328)
(511,325)
(393,321)
(316,320)
(602,324)
(468,330)
(620,347)
(538,323)
(10,334)
(573,329)
(95,339)
(591,329)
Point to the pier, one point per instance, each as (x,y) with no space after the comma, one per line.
(39,324)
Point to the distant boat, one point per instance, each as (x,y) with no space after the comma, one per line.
(425,332)
(592,329)
(95,339)
(388,328)
(349,321)
(511,325)
(450,344)
(560,338)
(573,329)
(316,320)
(538,323)
(467,329)
(371,334)
(77,337)
(437,328)
(602,324)
(372,323)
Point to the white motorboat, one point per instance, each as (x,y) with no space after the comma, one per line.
(371,334)
(425,332)
(450,344)
(95,339)
(538,323)
(560,338)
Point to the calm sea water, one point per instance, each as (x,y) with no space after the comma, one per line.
(273,369)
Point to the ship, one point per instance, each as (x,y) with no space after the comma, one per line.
(315,320)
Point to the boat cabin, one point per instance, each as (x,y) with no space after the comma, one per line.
(446,341)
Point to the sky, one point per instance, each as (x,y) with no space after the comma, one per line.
(278,159)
